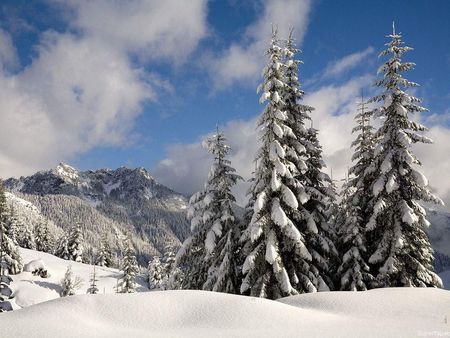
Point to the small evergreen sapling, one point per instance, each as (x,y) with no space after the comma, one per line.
(70,283)
(93,289)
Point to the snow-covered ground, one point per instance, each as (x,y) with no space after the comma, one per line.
(29,289)
(395,312)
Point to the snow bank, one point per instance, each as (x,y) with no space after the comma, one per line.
(399,312)
(29,289)
(34,265)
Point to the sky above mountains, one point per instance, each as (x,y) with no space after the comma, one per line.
(139,83)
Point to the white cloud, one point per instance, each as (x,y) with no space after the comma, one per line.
(8,54)
(82,90)
(347,63)
(436,162)
(243,61)
(186,165)
(150,28)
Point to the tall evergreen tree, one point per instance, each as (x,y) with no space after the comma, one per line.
(318,231)
(13,226)
(299,153)
(76,243)
(401,254)
(43,238)
(62,249)
(272,240)
(127,283)
(354,271)
(222,240)
(25,237)
(156,274)
(9,251)
(104,257)
(208,255)
(192,254)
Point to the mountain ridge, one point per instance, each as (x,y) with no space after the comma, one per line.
(122,199)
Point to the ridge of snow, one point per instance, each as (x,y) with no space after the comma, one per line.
(395,312)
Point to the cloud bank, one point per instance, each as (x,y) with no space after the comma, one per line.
(242,62)
(83,90)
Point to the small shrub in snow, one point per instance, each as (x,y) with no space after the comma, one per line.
(70,283)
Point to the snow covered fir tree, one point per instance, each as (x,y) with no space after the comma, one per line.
(43,238)
(93,289)
(277,259)
(354,213)
(208,257)
(9,250)
(104,256)
(400,252)
(70,283)
(127,283)
(75,243)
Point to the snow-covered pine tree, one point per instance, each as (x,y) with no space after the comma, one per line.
(62,249)
(127,283)
(208,255)
(272,241)
(222,239)
(43,238)
(156,274)
(173,275)
(93,289)
(70,283)
(25,237)
(318,231)
(76,243)
(9,251)
(104,257)
(190,258)
(13,226)
(354,272)
(314,216)
(401,254)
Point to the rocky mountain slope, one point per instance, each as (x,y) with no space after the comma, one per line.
(107,202)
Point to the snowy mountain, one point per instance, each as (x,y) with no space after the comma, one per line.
(393,312)
(439,234)
(106,201)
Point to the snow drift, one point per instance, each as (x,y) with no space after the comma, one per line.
(30,289)
(399,312)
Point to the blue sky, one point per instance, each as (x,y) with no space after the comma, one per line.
(101,84)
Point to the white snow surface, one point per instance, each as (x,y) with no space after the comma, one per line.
(395,312)
(29,289)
